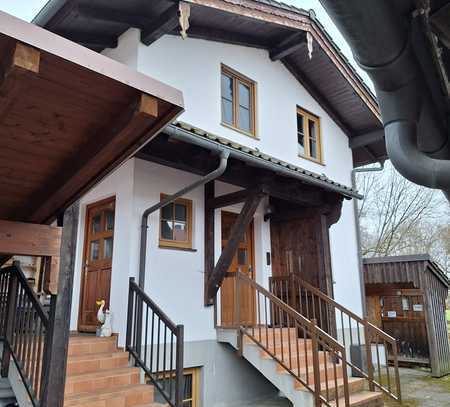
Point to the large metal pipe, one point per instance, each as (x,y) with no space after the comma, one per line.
(416,138)
(168,200)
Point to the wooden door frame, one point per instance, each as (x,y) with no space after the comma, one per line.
(88,207)
(252,257)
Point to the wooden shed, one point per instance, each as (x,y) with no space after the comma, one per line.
(406,298)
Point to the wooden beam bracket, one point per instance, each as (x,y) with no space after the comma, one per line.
(237,232)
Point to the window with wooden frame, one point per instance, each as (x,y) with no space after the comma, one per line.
(191,387)
(176,224)
(238,101)
(309,141)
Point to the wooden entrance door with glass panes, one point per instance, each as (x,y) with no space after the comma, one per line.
(97,262)
(243,261)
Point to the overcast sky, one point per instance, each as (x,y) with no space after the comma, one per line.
(27,9)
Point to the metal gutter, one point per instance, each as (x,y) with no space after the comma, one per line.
(168,200)
(48,11)
(271,163)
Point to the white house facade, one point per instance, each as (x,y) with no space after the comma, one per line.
(279,214)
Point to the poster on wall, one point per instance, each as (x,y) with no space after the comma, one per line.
(418,307)
(392,314)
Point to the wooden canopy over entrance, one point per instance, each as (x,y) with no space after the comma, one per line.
(68,117)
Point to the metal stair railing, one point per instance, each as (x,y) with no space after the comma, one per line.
(156,344)
(24,331)
(315,359)
(348,329)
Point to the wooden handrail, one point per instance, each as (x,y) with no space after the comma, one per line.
(326,352)
(314,299)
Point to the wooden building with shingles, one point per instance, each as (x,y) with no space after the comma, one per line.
(406,298)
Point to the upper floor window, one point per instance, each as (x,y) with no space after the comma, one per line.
(308,136)
(238,101)
(176,224)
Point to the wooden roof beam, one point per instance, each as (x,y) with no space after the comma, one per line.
(237,232)
(365,139)
(23,60)
(114,16)
(91,40)
(161,25)
(289,45)
(127,132)
(27,239)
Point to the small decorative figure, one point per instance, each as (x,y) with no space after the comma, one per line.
(106,329)
(100,313)
(104,317)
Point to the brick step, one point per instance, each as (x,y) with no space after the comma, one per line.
(310,374)
(362,399)
(125,396)
(355,385)
(300,350)
(94,363)
(102,380)
(301,360)
(90,345)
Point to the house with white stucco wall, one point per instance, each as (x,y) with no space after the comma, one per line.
(226,247)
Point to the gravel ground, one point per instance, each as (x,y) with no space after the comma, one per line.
(419,389)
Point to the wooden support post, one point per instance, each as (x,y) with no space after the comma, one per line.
(236,235)
(9,324)
(57,339)
(209,238)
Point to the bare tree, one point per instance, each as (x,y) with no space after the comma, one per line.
(398,217)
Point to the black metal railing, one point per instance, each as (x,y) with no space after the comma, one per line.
(156,344)
(24,326)
(349,329)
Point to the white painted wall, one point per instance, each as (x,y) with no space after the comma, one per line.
(118,184)
(194,67)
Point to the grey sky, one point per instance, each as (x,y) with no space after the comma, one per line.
(27,9)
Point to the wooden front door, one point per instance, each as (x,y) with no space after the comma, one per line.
(97,262)
(244,262)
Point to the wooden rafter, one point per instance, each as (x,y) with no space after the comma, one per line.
(23,61)
(237,232)
(229,199)
(91,41)
(115,16)
(289,45)
(164,24)
(365,139)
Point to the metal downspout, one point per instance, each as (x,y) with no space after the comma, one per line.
(166,201)
(358,233)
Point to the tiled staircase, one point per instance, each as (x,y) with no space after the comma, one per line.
(287,384)
(99,375)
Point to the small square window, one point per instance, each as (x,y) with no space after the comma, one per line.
(308,136)
(176,224)
(238,101)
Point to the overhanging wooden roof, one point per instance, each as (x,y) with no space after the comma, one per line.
(68,117)
(266,24)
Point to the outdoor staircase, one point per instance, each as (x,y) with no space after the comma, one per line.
(99,375)
(300,354)
(308,346)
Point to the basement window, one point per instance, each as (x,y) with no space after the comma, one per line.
(238,101)
(309,141)
(191,386)
(176,224)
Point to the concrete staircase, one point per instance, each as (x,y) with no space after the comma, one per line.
(99,375)
(290,387)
